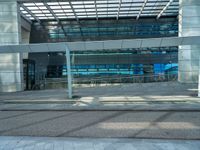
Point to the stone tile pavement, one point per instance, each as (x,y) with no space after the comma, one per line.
(49,143)
(102,124)
(188,106)
(157,96)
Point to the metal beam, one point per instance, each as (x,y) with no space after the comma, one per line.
(25,18)
(24,1)
(135,8)
(144,4)
(101,45)
(50,10)
(120,2)
(95,4)
(26,9)
(73,11)
(57,19)
(163,10)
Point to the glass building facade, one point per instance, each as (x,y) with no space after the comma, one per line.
(126,62)
(107,29)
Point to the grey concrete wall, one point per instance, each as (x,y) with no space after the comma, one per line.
(25,40)
(189,25)
(25,24)
(25,36)
(25,31)
(199,79)
(11,78)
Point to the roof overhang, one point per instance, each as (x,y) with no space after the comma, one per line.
(95,9)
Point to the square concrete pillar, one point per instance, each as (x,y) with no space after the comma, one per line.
(199,79)
(189,25)
(11,73)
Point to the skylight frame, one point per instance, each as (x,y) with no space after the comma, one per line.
(99,7)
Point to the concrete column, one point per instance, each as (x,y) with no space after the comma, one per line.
(25,31)
(25,36)
(189,25)
(11,78)
(199,79)
(25,40)
(69,73)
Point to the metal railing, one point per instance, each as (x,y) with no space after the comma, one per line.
(126,79)
(41,82)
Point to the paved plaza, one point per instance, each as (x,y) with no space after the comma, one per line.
(46,143)
(110,118)
(102,124)
(148,96)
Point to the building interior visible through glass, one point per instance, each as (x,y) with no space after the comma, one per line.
(119,65)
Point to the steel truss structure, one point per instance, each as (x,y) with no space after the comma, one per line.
(96,9)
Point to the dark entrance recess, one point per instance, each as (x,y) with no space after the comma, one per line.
(29,74)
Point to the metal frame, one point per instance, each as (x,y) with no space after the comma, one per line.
(33,15)
(95,3)
(165,8)
(143,6)
(120,2)
(95,9)
(58,20)
(74,12)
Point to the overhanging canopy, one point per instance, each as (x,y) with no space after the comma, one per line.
(95,9)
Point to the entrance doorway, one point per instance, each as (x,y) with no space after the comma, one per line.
(29,73)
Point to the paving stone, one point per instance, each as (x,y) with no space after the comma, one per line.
(40,143)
